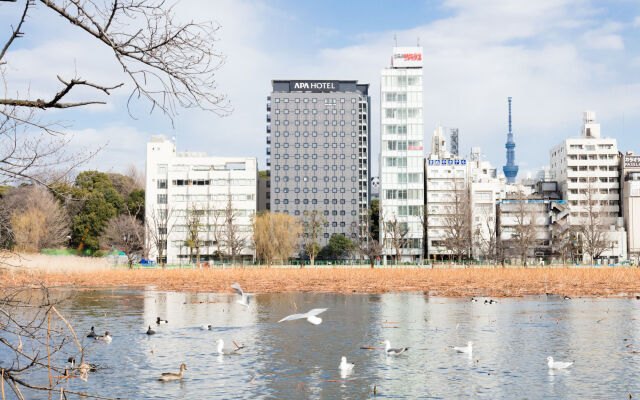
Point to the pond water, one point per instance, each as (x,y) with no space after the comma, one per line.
(299,360)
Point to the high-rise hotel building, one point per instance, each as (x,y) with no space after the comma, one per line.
(401,153)
(319,138)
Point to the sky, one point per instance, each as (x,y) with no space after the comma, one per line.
(555,58)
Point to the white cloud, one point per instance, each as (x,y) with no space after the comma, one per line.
(119,144)
(606,37)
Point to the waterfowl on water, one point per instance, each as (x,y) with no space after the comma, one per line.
(393,351)
(150,331)
(468,349)
(557,364)
(161,321)
(566,297)
(92,333)
(490,301)
(344,365)
(474,300)
(83,368)
(205,327)
(172,376)
(103,338)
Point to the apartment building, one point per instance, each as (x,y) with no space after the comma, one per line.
(189,198)
(586,169)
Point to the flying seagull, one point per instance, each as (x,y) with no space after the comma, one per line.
(392,352)
(557,364)
(310,316)
(244,297)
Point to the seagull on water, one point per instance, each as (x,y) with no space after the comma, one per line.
(310,316)
(468,349)
(393,352)
(344,365)
(244,297)
(558,364)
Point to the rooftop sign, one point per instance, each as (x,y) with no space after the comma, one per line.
(407,57)
(632,161)
(313,86)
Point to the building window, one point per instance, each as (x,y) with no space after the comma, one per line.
(162,183)
(162,199)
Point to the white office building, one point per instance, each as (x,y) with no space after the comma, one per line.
(590,163)
(401,153)
(191,192)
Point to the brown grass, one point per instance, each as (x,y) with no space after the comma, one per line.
(510,282)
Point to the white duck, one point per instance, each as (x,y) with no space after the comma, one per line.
(558,364)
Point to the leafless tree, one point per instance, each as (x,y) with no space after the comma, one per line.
(137,176)
(525,227)
(424,223)
(234,240)
(395,234)
(167,63)
(486,236)
(194,225)
(159,225)
(593,225)
(33,336)
(21,202)
(457,223)
(313,224)
(125,233)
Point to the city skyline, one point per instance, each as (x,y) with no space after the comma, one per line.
(556,59)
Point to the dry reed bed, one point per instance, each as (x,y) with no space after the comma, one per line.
(512,282)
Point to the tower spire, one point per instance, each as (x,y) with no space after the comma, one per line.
(510,170)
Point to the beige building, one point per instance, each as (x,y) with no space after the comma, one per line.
(630,174)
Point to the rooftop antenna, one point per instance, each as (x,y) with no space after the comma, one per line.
(395,39)
(418,41)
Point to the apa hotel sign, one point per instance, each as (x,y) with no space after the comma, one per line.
(313,86)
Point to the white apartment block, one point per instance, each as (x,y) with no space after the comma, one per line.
(446,192)
(191,186)
(401,153)
(591,162)
(450,180)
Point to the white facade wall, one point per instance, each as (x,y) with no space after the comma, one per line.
(181,182)
(590,161)
(402,150)
(445,183)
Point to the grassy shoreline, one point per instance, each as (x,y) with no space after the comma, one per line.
(447,282)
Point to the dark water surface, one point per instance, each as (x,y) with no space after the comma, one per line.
(299,360)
